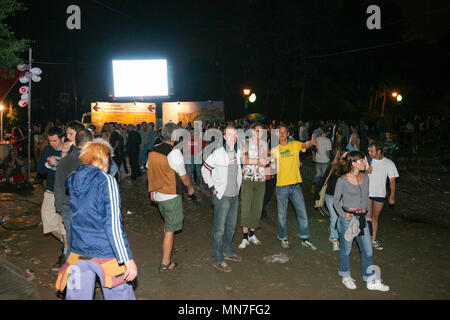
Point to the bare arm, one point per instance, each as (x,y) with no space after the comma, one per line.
(187,182)
(392,197)
(312,142)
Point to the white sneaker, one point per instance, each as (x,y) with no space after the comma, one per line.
(284,244)
(335,245)
(244,244)
(308,244)
(377,245)
(349,283)
(377,285)
(253,239)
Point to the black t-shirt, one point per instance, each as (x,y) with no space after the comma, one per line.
(134,140)
(331,185)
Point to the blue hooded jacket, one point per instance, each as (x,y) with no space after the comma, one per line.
(96,215)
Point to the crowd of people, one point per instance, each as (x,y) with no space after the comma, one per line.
(82,205)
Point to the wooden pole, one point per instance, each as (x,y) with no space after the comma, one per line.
(29,119)
(376,100)
(384,102)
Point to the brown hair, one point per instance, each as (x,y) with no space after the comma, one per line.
(337,160)
(345,164)
(378,145)
(97,153)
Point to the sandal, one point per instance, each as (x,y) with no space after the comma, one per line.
(170,266)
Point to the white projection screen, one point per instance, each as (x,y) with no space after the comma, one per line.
(140,78)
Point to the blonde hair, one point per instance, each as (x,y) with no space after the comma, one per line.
(355,139)
(97,153)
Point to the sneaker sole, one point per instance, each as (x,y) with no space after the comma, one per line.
(374,289)
(221,269)
(307,246)
(233,259)
(354,288)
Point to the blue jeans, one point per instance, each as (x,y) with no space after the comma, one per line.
(224,227)
(320,170)
(190,168)
(295,194)
(365,247)
(333,217)
(67,226)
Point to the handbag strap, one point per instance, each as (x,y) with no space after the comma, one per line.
(326,181)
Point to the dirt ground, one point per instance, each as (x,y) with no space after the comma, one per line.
(415,262)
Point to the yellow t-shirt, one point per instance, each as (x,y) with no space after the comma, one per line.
(288,163)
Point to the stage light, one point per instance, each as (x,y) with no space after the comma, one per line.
(247,92)
(252,98)
(399,98)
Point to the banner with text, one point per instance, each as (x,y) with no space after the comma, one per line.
(122,112)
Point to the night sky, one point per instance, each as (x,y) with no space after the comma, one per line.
(218,47)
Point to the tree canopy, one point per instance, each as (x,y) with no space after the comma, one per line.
(10,47)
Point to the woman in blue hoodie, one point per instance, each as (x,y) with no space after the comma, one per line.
(99,246)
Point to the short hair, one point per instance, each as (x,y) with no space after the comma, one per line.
(83,136)
(75,125)
(256,124)
(97,153)
(56,131)
(167,131)
(229,125)
(151,124)
(377,144)
(282,125)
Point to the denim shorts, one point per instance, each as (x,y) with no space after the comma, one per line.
(377,199)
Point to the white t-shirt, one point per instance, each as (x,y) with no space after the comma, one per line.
(322,148)
(381,170)
(176,162)
(303,133)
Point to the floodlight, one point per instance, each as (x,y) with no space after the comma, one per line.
(140,78)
